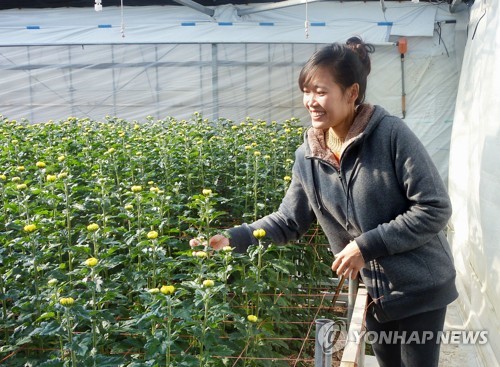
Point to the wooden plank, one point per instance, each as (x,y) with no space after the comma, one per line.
(354,351)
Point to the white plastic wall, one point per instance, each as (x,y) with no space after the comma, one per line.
(474,178)
(164,67)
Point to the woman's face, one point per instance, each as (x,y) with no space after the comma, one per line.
(329,105)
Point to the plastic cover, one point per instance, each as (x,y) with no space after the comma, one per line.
(474,181)
(71,67)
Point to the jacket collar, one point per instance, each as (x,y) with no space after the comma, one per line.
(317,138)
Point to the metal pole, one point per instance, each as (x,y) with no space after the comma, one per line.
(322,349)
(403,47)
(215,83)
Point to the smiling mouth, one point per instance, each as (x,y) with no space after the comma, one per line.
(317,114)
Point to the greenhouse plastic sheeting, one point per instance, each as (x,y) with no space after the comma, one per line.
(329,22)
(474,182)
(52,76)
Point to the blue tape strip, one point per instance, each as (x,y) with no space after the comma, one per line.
(32,27)
(318,24)
(104,26)
(385,23)
(266,24)
(225,23)
(188,24)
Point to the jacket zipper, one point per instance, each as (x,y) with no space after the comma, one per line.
(345,185)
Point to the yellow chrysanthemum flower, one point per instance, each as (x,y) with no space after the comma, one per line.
(92,227)
(41,164)
(29,228)
(259,233)
(67,301)
(200,254)
(167,289)
(91,262)
(207,283)
(51,178)
(152,235)
(21,187)
(136,188)
(252,318)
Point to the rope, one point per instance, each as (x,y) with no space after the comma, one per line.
(306,23)
(122,20)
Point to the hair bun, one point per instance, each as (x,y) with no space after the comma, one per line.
(362,50)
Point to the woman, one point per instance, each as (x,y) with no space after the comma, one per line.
(369,182)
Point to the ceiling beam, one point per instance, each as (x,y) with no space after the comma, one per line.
(194,5)
(278,5)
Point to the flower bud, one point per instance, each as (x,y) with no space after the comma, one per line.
(259,233)
(51,178)
(136,188)
(252,318)
(92,227)
(167,289)
(201,254)
(207,283)
(29,228)
(91,262)
(152,235)
(67,301)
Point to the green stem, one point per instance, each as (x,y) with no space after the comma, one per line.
(154,264)
(94,312)
(70,338)
(255,185)
(4,309)
(68,227)
(35,275)
(96,245)
(259,267)
(139,226)
(206,298)
(169,334)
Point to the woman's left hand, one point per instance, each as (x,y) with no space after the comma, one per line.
(349,261)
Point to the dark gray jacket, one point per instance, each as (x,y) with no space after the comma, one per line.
(387,195)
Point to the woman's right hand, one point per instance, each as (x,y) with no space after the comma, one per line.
(216,242)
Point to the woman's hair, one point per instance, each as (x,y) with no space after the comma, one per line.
(348,63)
